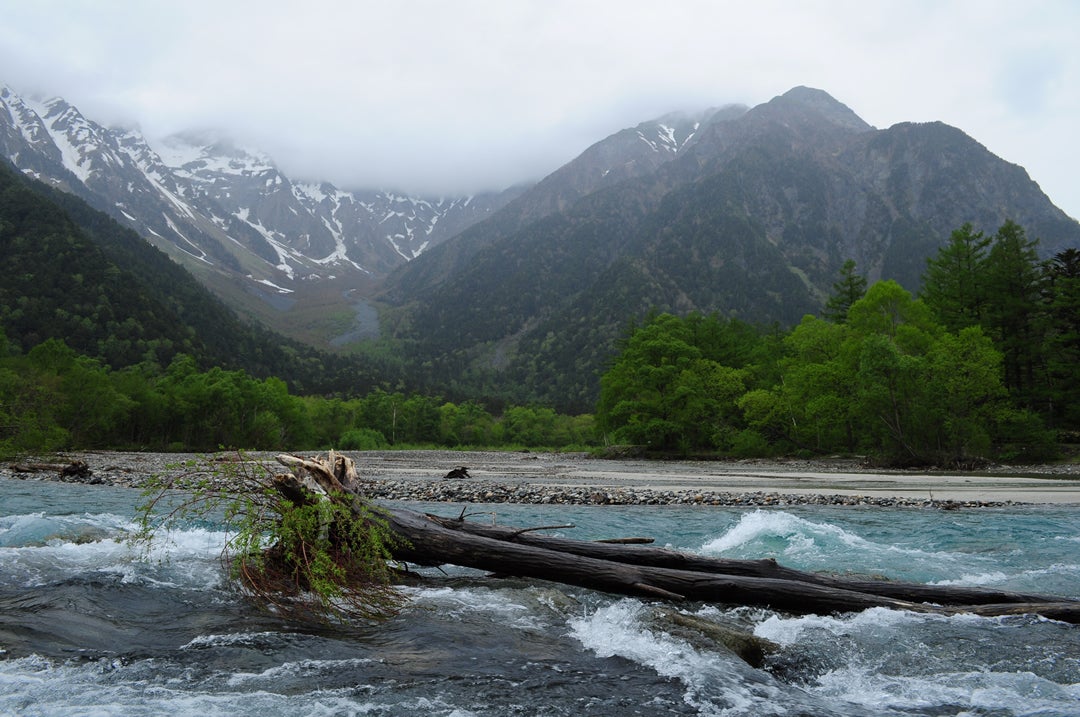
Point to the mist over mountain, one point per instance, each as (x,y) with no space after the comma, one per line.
(752,217)
(225,211)
(748,212)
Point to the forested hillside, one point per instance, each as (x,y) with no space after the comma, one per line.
(752,218)
(985,363)
(74,274)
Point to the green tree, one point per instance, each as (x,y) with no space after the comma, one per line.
(529,426)
(465,424)
(704,404)
(813,405)
(953,284)
(965,397)
(330,418)
(846,291)
(1063,343)
(672,389)
(1014,315)
(382,411)
(85,401)
(636,395)
(890,382)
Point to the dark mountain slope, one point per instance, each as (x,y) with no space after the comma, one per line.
(59,284)
(752,218)
(71,272)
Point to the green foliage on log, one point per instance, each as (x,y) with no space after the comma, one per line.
(316,557)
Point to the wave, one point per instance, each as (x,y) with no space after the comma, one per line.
(37,529)
(815,545)
(35,549)
(716,681)
(886,659)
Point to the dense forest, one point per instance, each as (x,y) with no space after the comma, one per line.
(982,365)
(52,398)
(72,273)
(106,343)
(985,363)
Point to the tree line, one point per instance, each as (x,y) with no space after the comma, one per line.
(982,363)
(52,398)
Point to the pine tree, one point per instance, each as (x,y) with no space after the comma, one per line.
(1014,316)
(1063,344)
(850,288)
(953,285)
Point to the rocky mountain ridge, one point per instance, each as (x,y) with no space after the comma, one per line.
(747,212)
(208,201)
(752,218)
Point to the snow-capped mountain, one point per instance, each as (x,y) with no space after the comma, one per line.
(225,207)
(627,154)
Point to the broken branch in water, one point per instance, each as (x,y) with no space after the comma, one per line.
(335,547)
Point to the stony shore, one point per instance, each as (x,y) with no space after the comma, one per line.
(575,478)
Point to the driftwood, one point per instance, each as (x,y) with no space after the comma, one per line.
(74,469)
(460,472)
(640,570)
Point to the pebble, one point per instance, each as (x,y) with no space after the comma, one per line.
(554,495)
(134,471)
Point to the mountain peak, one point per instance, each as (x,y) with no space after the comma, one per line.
(811,100)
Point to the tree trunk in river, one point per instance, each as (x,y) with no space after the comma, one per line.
(647,572)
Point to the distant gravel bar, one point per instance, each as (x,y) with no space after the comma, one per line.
(541,478)
(468,492)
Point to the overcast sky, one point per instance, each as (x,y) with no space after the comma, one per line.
(465,95)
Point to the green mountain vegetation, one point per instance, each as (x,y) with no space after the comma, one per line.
(982,365)
(72,273)
(929,380)
(753,220)
(107,343)
(52,398)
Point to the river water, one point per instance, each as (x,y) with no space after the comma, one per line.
(90,625)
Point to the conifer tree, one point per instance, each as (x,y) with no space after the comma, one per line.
(1063,344)
(850,288)
(1014,316)
(953,285)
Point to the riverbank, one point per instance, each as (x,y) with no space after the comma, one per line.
(578,479)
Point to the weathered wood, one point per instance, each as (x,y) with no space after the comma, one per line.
(432,543)
(652,572)
(765,568)
(73,469)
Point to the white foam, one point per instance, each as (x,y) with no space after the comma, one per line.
(799,532)
(498,604)
(33,686)
(983,692)
(715,683)
(788,631)
(811,545)
(47,546)
(308,669)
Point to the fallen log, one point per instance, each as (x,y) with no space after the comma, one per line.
(72,469)
(765,568)
(644,571)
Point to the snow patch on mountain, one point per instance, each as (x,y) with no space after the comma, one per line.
(225,204)
(68,134)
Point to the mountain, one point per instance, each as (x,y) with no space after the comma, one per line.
(261,240)
(73,273)
(745,211)
(750,215)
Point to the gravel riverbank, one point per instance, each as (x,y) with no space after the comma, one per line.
(576,478)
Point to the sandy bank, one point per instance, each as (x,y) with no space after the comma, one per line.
(573,477)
